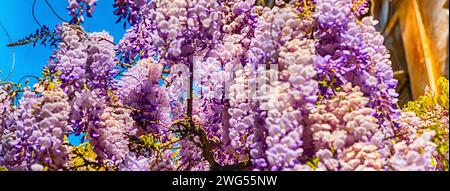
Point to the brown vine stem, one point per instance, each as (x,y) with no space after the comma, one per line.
(86,162)
(197,130)
(395,136)
(205,144)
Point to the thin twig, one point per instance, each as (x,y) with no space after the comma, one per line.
(34,16)
(28,76)
(13,52)
(54,12)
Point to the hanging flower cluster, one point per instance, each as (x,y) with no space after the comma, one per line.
(222,85)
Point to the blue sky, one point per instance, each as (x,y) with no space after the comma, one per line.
(16,17)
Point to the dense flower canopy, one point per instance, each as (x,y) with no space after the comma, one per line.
(222,85)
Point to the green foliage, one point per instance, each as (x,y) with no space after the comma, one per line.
(428,102)
(313,163)
(83,158)
(443,99)
(149,141)
(433,109)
